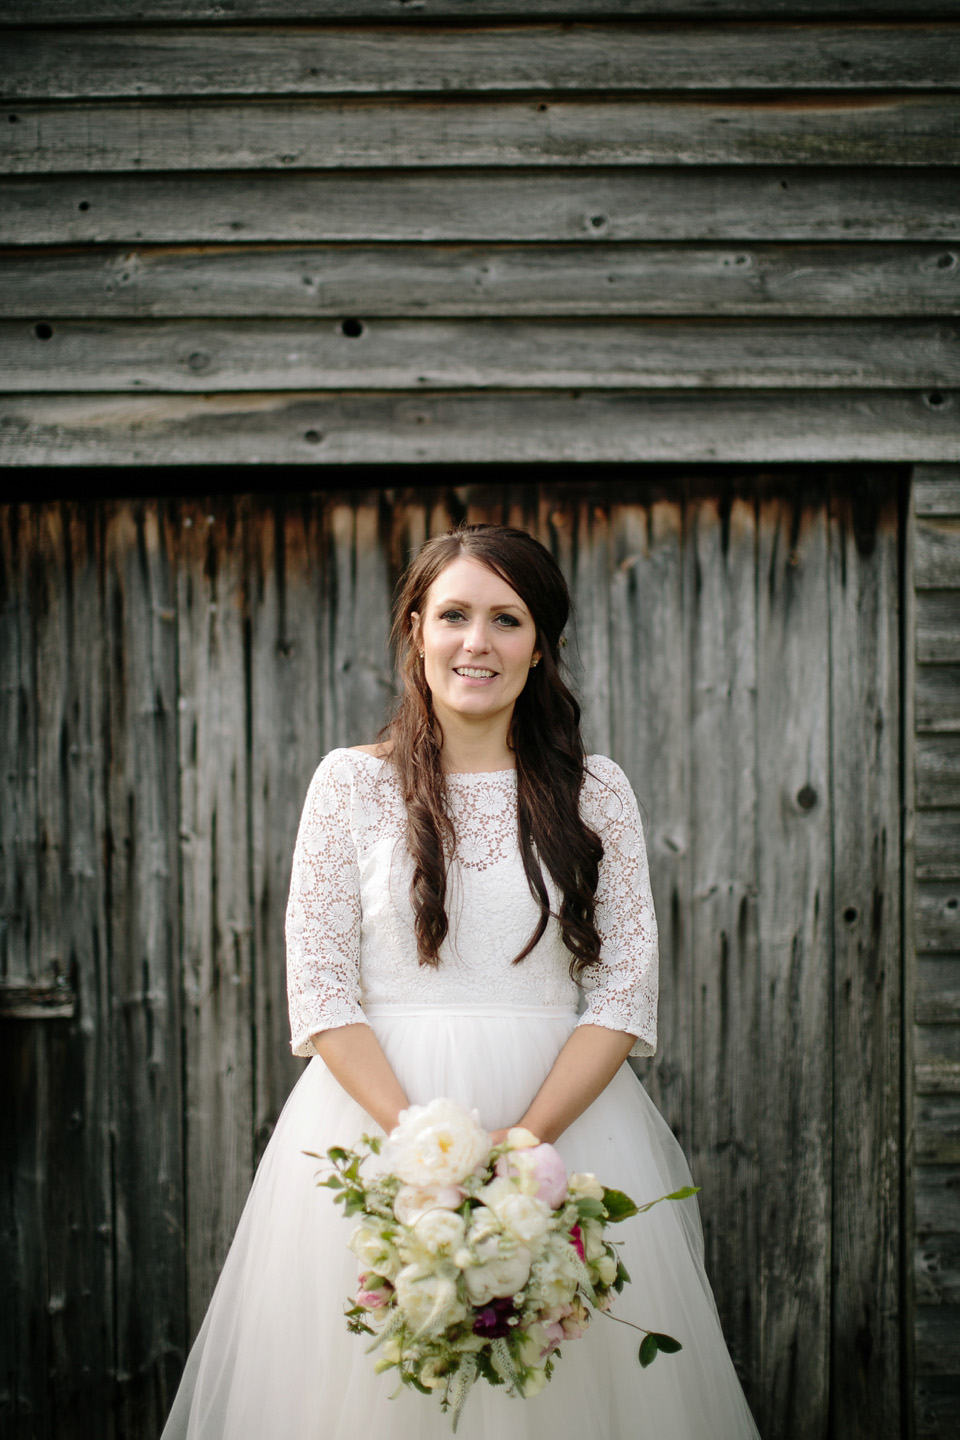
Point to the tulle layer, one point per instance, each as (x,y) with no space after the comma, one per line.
(274,1358)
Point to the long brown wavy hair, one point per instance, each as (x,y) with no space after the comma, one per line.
(544,735)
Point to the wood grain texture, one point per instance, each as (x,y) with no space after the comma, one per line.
(114,136)
(19,958)
(937,1122)
(864,650)
(936,490)
(937,1404)
(938,771)
(938,625)
(938,1202)
(432,281)
(938,915)
(770,203)
(938,698)
(794,931)
(938,844)
(317,429)
(145,1022)
(257,355)
(50,12)
(728,968)
(216,937)
(937,552)
(224,60)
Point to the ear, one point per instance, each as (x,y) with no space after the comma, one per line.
(414,626)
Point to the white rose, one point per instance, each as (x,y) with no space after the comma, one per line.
(606,1268)
(440,1230)
(499,1277)
(587,1185)
(556,1276)
(412,1201)
(521,1215)
(428,1298)
(374,1251)
(436,1145)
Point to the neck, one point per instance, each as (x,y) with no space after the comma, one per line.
(470,747)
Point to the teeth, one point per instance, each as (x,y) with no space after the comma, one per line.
(476,674)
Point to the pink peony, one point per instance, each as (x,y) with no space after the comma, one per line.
(373,1299)
(539,1170)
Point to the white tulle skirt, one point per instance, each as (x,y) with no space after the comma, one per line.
(274,1358)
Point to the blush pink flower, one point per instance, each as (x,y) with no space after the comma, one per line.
(376,1298)
(539,1170)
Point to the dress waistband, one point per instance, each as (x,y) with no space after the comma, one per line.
(378,1010)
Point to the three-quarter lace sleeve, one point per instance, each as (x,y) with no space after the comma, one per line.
(323,911)
(622,989)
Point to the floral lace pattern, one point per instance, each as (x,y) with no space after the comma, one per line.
(350,939)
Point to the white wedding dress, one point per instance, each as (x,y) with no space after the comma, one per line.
(274,1358)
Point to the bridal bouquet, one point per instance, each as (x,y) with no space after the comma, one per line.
(477,1261)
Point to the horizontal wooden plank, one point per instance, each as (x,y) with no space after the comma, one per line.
(937,1191)
(888,129)
(936,1407)
(67,63)
(937,1077)
(937,553)
(36,1002)
(936,490)
(48,12)
(937,844)
(936,697)
(769,204)
(936,1123)
(940,1009)
(938,625)
(458,280)
(317,429)
(937,1339)
(937,914)
(938,771)
(199,355)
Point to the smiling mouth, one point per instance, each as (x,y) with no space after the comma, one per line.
(472,674)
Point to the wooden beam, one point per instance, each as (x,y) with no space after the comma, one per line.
(433,281)
(95,12)
(938,844)
(200,355)
(67,63)
(771,203)
(316,134)
(36,1002)
(318,429)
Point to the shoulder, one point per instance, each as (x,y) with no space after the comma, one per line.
(342,773)
(607,795)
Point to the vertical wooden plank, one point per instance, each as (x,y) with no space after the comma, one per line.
(725,991)
(214,862)
(78,1204)
(794,870)
(143,906)
(286,568)
(361,676)
(25,1406)
(590,592)
(865,739)
(648,737)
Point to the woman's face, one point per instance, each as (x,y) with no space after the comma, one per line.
(477,638)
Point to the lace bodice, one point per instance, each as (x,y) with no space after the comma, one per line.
(350,937)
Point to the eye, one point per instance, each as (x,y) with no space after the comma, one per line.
(508,622)
(452,615)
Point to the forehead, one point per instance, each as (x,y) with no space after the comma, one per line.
(470,582)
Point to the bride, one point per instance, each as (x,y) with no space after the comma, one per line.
(469,916)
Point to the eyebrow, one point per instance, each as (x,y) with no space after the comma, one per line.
(465,605)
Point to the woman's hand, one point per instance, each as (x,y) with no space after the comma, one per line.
(585,1066)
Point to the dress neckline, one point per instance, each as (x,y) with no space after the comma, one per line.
(459,775)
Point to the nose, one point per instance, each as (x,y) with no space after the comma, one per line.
(476,639)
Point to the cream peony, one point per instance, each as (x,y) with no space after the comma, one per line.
(436,1145)
(606,1268)
(427,1295)
(374,1250)
(439,1230)
(587,1185)
(523,1216)
(498,1278)
(412,1201)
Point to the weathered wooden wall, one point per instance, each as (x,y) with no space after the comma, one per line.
(173,670)
(397,231)
(933,649)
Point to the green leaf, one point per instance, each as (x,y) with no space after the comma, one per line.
(336,1154)
(648,1350)
(590,1209)
(684,1194)
(667,1344)
(332,1182)
(417,1383)
(618,1206)
(374,1143)
(485,1368)
(622,1277)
